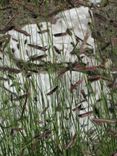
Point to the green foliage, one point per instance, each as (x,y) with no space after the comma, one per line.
(28,129)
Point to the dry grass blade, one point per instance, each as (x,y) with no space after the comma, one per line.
(83,94)
(79,39)
(45,109)
(3,38)
(43,31)
(43,135)
(100,17)
(9,69)
(78,108)
(72,142)
(84,43)
(22,31)
(38,47)
(52,91)
(94,78)
(84,68)
(85,114)
(11,20)
(76,3)
(68,31)
(9,91)
(112,132)
(6,29)
(105,46)
(63,71)
(35,57)
(60,34)
(24,106)
(97,77)
(14,39)
(21,97)
(103,121)
(4,43)
(75,85)
(78,65)
(105,78)
(57,50)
